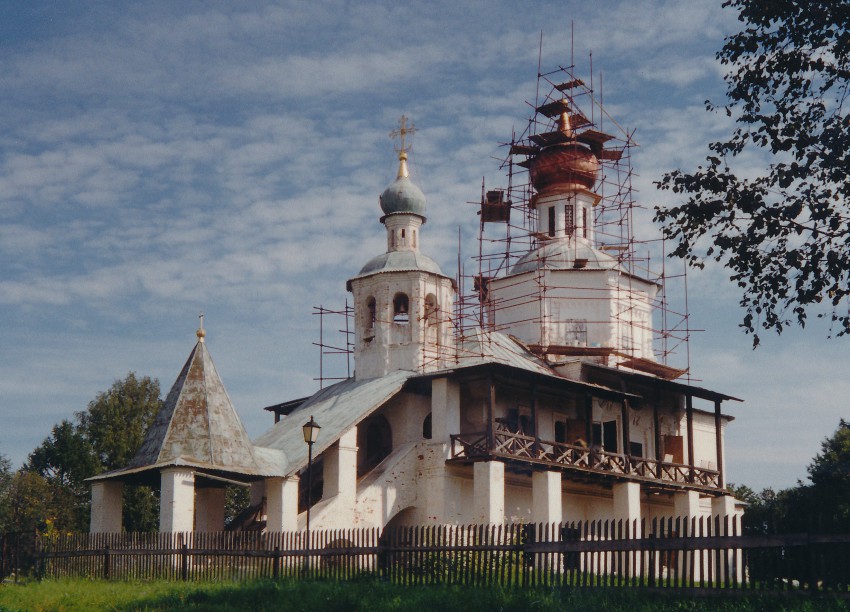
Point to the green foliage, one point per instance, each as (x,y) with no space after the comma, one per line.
(783,233)
(236,499)
(830,475)
(29,501)
(103,437)
(116,420)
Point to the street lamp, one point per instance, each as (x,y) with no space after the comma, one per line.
(311,434)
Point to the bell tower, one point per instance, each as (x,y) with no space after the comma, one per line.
(402,300)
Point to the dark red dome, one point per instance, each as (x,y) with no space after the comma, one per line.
(564,166)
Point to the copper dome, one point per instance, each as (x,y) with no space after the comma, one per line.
(564,166)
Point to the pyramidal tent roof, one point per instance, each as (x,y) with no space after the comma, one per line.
(198,422)
(198,427)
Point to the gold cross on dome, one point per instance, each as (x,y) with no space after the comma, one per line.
(402,131)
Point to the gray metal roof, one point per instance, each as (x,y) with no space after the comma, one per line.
(198,424)
(481,347)
(396,261)
(562,254)
(336,409)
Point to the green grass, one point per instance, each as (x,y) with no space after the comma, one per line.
(370,596)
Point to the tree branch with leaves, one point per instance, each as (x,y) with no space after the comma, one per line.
(783,233)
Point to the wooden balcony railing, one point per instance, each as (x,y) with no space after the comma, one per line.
(516,446)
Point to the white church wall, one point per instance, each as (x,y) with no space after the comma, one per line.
(518,502)
(406,413)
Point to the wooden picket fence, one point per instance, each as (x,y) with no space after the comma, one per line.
(668,554)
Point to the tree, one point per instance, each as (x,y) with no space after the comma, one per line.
(64,460)
(103,437)
(116,420)
(830,475)
(824,503)
(785,233)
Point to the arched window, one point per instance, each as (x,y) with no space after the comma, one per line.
(432,333)
(374,443)
(371,312)
(426,427)
(569,219)
(401,309)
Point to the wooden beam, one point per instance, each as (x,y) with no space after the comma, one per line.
(718,436)
(624,412)
(690,419)
(491,405)
(656,428)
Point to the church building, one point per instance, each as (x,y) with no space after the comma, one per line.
(553,407)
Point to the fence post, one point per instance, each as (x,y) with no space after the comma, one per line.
(38,549)
(106,562)
(276,563)
(184,562)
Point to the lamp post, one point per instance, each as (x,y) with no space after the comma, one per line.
(311,434)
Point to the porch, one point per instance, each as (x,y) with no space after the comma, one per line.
(581,461)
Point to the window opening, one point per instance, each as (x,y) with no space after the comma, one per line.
(427,425)
(569,219)
(401,309)
(584,221)
(318,484)
(517,420)
(605,435)
(570,431)
(551,220)
(375,443)
(371,312)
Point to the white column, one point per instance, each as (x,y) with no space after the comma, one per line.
(724,507)
(209,509)
(488,489)
(106,506)
(258,492)
(546,497)
(177,500)
(282,504)
(627,509)
(686,507)
(445,409)
(340,472)
(686,504)
(627,504)
(441,504)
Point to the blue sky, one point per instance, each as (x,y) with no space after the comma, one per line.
(158,159)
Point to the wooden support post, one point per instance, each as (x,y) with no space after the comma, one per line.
(106,563)
(184,563)
(491,405)
(624,412)
(534,421)
(656,428)
(718,437)
(690,420)
(588,420)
